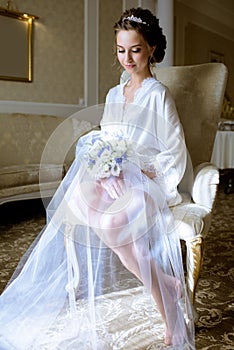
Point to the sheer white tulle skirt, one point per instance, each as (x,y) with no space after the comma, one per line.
(94,253)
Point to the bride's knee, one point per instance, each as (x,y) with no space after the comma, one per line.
(109,222)
(126,253)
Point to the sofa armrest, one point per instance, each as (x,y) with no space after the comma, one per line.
(206,180)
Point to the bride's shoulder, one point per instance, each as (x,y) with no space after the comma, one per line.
(114,89)
(157,84)
(114,92)
(157,87)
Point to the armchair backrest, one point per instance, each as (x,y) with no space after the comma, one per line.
(198,91)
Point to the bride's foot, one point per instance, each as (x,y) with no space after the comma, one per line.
(174,336)
(178,339)
(167,339)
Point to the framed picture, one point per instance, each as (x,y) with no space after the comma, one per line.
(16,46)
(216,57)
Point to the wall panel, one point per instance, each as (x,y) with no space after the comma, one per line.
(109,72)
(58,54)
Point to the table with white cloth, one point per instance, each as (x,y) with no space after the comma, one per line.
(223,150)
(223,154)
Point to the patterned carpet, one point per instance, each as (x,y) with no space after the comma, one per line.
(21,222)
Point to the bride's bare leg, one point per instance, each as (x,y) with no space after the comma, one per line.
(171,288)
(127,255)
(172,292)
(108,227)
(138,261)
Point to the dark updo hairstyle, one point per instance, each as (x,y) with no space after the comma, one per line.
(147,25)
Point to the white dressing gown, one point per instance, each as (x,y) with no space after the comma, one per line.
(72,279)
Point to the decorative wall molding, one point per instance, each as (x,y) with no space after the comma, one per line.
(63,110)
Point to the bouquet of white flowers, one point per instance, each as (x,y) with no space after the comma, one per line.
(106,155)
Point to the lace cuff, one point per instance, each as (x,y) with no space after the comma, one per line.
(152,167)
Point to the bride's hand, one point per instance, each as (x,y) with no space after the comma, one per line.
(150,174)
(114,186)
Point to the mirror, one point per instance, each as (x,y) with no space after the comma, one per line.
(16,45)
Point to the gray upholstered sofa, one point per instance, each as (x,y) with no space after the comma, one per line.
(32,164)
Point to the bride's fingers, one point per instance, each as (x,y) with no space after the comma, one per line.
(122,185)
(114,186)
(118,187)
(110,190)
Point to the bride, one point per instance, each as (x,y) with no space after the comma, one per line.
(111,212)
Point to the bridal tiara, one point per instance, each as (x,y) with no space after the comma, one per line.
(134,19)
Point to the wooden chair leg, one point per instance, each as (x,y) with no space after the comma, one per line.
(194,262)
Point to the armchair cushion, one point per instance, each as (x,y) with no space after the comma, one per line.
(191,220)
(193,215)
(205,185)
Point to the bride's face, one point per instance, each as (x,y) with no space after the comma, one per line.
(133,52)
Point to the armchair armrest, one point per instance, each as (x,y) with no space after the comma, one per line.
(206,180)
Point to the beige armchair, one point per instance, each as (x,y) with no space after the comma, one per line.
(198,91)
